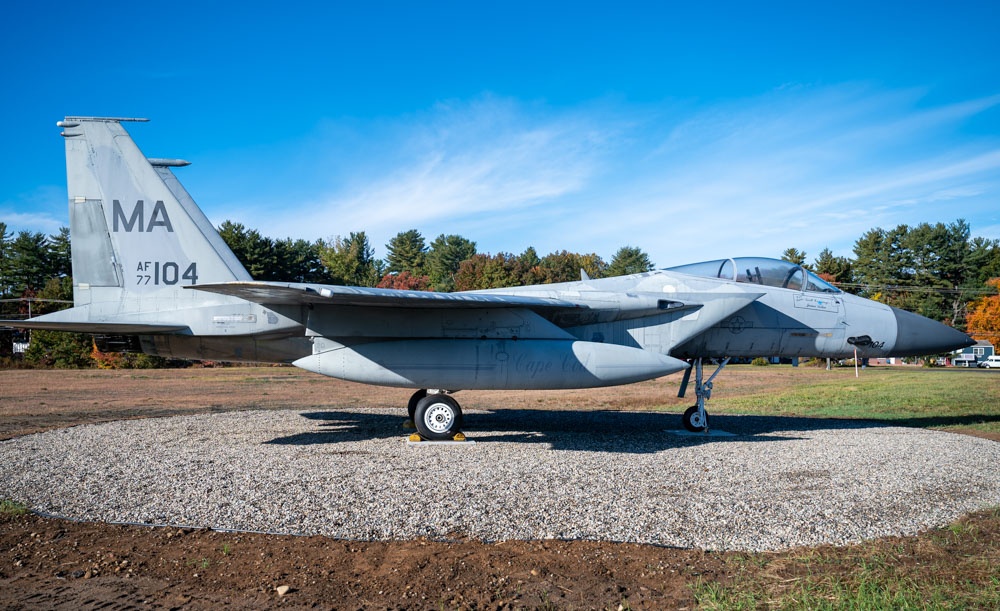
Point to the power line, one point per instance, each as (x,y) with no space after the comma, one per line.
(31,299)
(902,288)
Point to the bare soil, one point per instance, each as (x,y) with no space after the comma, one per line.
(58,564)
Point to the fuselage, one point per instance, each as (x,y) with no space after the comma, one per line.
(626,329)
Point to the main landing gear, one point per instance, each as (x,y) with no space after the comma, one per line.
(436,415)
(695,417)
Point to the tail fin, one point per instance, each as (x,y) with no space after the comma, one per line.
(137,236)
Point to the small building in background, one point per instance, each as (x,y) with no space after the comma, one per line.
(971,356)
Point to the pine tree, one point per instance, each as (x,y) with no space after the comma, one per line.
(254,251)
(60,254)
(407,252)
(27,264)
(5,283)
(833,269)
(794,255)
(444,258)
(629,260)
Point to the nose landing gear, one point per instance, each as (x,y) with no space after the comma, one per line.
(695,418)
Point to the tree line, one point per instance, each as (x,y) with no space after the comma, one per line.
(448,263)
(939,270)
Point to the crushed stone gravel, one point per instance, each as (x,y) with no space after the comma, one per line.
(775,483)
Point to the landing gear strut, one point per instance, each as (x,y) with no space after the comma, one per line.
(436,415)
(695,417)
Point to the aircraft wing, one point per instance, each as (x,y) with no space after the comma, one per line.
(566,310)
(283,293)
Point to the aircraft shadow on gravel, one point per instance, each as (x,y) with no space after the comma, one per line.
(593,431)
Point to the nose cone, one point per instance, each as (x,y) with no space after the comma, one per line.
(917,335)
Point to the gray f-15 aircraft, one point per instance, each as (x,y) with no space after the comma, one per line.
(148,263)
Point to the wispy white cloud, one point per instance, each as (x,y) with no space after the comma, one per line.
(804,167)
(990,232)
(46,211)
(459,165)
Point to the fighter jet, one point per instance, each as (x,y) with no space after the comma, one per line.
(148,263)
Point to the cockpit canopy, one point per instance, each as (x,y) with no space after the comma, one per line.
(759,270)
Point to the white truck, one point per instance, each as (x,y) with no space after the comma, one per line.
(990,362)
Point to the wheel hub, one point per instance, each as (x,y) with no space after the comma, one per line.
(697,419)
(439,417)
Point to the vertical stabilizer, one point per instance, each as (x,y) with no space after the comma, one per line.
(137,236)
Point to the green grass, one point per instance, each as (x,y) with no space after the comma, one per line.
(868,589)
(954,568)
(919,397)
(12,508)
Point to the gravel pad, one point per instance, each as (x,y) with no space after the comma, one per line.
(611,476)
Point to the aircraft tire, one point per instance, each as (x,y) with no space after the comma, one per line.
(411,407)
(690,417)
(438,417)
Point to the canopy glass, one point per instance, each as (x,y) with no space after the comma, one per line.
(759,270)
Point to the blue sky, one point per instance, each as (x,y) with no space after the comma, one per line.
(690,130)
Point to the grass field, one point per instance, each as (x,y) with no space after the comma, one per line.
(907,396)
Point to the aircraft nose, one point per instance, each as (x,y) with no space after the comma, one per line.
(917,335)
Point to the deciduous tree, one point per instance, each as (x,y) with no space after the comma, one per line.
(983,321)
(565,266)
(483,271)
(404,281)
(351,261)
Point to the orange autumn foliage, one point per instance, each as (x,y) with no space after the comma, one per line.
(107,360)
(983,320)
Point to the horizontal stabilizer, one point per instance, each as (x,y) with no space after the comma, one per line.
(117,328)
